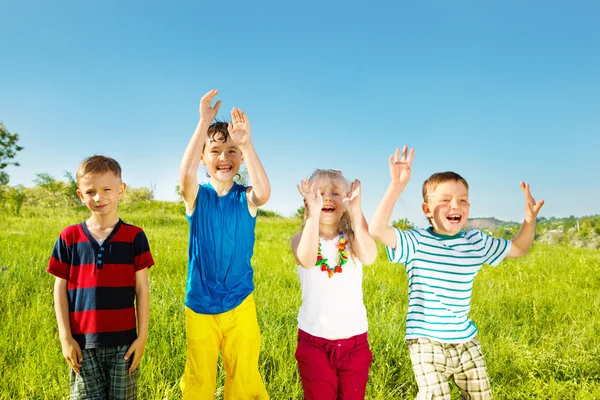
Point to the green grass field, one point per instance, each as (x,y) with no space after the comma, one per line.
(536,315)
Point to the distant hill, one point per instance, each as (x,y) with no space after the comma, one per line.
(485,223)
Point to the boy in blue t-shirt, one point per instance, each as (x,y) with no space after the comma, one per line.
(220,312)
(441,263)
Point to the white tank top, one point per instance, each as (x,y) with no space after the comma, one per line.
(332,308)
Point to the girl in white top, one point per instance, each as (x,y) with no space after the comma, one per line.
(333,352)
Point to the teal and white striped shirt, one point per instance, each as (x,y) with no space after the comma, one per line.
(441,270)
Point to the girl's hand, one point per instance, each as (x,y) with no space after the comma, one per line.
(531,207)
(400,166)
(239,128)
(313,201)
(352,198)
(207,112)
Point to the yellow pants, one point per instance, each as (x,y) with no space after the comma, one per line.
(237,335)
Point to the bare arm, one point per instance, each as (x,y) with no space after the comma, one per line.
(522,241)
(305,245)
(400,171)
(365,247)
(240,132)
(142,303)
(188,167)
(70,348)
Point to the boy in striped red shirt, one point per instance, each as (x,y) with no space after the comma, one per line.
(101,269)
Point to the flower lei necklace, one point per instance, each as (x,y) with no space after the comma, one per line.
(343,257)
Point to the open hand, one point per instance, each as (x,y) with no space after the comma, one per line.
(239,128)
(531,207)
(137,349)
(400,166)
(313,201)
(207,111)
(72,353)
(352,198)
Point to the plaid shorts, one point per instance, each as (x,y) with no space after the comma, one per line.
(103,375)
(434,363)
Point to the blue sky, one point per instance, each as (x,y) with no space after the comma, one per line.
(498,91)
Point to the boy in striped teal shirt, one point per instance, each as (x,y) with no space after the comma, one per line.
(441,263)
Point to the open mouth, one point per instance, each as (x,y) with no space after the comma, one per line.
(454,218)
(224,168)
(328,209)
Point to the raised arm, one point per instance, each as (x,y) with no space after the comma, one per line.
(524,238)
(305,244)
(364,244)
(240,132)
(191,158)
(380,227)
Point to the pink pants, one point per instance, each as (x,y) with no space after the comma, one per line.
(333,369)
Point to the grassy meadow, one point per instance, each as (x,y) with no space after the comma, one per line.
(536,316)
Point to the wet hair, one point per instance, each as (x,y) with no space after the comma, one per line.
(98,165)
(217,131)
(437,179)
(346,222)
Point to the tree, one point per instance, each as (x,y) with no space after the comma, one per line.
(8,151)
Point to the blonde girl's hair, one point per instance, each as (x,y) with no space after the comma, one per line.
(332,175)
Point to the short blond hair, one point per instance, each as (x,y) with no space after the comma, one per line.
(97,165)
(441,177)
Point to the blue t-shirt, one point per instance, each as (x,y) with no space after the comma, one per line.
(221,244)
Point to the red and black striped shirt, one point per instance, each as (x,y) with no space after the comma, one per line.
(101,282)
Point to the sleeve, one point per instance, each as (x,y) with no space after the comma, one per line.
(60,261)
(142,258)
(406,246)
(495,249)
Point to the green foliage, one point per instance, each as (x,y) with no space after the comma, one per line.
(8,151)
(300,212)
(15,197)
(268,214)
(403,224)
(133,195)
(538,329)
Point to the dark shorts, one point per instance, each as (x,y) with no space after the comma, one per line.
(103,375)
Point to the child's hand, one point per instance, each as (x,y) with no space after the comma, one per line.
(207,112)
(352,199)
(137,348)
(400,166)
(72,353)
(531,207)
(239,128)
(313,200)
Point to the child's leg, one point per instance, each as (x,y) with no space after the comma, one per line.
(241,348)
(123,385)
(353,367)
(203,339)
(316,366)
(91,382)
(471,376)
(430,368)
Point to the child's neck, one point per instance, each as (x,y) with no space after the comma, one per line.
(221,187)
(328,232)
(102,223)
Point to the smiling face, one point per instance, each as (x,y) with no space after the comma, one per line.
(222,159)
(100,193)
(333,190)
(447,207)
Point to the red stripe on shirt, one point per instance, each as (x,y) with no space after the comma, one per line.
(110,275)
(83,322)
